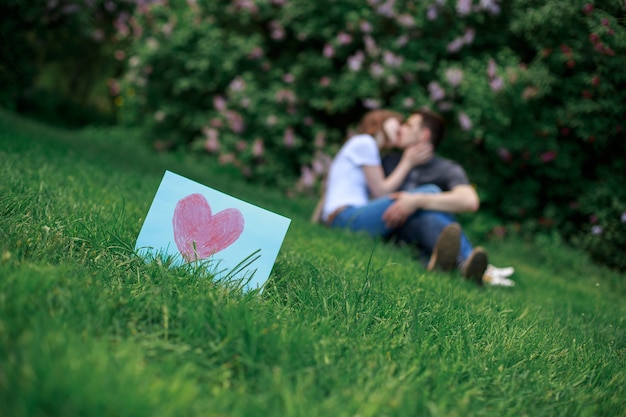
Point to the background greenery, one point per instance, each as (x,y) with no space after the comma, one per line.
(533,91)
(346,326)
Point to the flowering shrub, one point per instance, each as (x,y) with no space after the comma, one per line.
(271,86)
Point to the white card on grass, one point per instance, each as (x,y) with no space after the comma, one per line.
(192,222)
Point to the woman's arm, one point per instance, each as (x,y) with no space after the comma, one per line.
(379,185)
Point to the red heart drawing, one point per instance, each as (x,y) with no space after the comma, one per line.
(198,234)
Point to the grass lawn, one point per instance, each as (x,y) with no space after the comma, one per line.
(347,326)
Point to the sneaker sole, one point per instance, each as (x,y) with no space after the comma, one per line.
(476,266)
(446,249)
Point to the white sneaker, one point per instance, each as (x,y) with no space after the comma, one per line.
(498,276)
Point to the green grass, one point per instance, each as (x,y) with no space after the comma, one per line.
(346,326)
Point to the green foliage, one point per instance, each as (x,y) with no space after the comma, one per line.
(603,232)
(346,326)
(59,58)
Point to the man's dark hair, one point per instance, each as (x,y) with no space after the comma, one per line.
(435,123)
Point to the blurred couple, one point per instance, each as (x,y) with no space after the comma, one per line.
(409,197)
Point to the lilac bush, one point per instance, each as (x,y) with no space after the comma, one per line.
(533,91)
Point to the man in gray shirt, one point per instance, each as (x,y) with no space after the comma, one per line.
(426,219)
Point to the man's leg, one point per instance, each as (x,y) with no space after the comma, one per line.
(424,227)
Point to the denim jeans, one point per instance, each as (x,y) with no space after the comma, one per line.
(422,228)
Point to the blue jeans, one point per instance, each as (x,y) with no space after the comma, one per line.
(422,228)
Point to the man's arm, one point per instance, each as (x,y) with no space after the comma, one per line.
(462,198)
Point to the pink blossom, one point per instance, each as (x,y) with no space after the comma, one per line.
(386,9)
(596,230)
(217,122)
(288,78)
(247,5)
(408,102)
(344,38)
(235,121)
(219,103)
(355,62)
(468,36)
(371,103)
(120,55)
(491,68)
(277,30)
(245,102)
(464,121)
(258,148)
(237,84)
(392,60)
(588,9)
(496,84)
(463,7)
(285,95)
(370,45)
(325,81)
(256,53)
(593,219)
(321,162)
(329,51)
(307,178)
(432,13)
(454,76)
(366,27)
(308,121)
(376,70)
(455,45)
(211,144)
(491,6)
(406,20)
(289,139)
(402,40)
(548,156)
(435,91)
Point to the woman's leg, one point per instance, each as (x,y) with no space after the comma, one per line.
(367,218)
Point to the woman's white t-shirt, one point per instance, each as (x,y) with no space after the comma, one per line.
(346,184)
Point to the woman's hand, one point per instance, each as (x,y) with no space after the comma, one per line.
(419,153)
